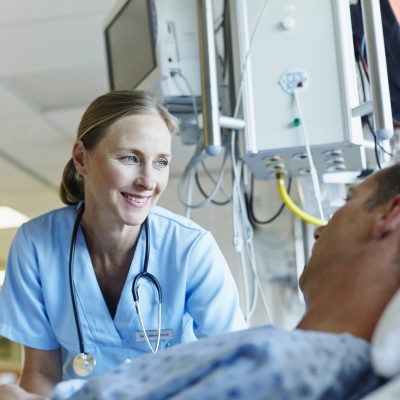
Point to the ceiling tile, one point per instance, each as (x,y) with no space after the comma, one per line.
(27,11)
(64,88)
(29,130)
(52,45)
(11,104)
(67,118)
(44,155)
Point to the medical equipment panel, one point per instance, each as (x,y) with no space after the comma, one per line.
(304,47)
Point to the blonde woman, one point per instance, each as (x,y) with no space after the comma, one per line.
(77,276)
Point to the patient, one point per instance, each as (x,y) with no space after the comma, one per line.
(352,274)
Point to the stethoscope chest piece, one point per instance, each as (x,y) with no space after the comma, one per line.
(84,364)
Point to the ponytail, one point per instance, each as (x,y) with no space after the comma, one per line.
(72,185)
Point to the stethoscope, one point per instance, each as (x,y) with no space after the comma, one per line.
(84,363)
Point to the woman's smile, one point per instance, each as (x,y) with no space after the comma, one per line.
(135,200)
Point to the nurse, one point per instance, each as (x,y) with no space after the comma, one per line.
(118,170)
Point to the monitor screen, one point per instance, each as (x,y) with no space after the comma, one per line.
(130,44)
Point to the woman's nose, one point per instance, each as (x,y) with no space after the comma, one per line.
(146,179)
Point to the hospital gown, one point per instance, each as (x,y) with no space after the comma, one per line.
(260,363)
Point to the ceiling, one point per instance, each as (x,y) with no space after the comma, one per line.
(52,66)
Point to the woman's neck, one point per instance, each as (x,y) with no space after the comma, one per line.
(107,241)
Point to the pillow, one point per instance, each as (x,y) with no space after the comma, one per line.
(385,353)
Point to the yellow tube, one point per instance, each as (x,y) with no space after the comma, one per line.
(291,205)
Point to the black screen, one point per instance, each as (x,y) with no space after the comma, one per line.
(130,45)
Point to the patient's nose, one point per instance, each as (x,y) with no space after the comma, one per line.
(318,232)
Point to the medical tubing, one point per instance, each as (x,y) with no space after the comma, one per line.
(362,81)
(313,171)
(265,304)
(248,232)
(217,203)
(236,179)
(376,152)
(240,91)
(240,228)
(291,205)
(194,160)
(238,243)
(245,286)
(71,284)
(376,144)
(258,282)
(190,191)
(192,164)
(221,189)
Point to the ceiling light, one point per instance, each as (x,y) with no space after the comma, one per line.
(10,218)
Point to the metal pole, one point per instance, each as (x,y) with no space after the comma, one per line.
(372,20)
(246,76)
(209,82)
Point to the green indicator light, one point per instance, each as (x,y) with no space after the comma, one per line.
(297,122)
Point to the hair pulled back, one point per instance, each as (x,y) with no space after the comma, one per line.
(101,113)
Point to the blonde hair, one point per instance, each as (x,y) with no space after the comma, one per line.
(101,113)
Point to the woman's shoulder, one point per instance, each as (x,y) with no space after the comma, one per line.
(51,220)
(163,215)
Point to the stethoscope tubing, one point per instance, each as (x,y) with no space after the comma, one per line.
(135,286)
(135,292)
(71,279)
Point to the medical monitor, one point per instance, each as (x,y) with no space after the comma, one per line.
(153,45)
(130,44)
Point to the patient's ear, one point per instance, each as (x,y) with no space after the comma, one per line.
(389,221)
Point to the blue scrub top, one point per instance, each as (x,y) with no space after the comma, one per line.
(199,294)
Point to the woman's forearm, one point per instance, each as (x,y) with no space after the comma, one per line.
(42,371)
(14,392)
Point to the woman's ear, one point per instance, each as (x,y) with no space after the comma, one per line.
(388,221)
(79,157)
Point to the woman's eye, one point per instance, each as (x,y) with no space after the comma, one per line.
(161,163)
(130,159)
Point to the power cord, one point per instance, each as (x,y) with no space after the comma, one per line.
(250,204)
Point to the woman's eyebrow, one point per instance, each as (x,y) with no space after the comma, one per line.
(165,155)
(133,150)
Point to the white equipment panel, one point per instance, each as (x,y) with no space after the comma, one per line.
(178,46)
(303,44)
